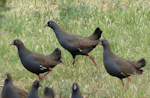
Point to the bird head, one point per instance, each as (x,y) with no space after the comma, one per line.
(49,92)
(50,24)
(103,42)
(75,86)
(16,42)
(36,84)
(7,77)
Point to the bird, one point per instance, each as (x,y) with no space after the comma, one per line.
(34,89)
(48,93)
(76,91)
(35,62)
(75,44)
(119,67)
(11,91)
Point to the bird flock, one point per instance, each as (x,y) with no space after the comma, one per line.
(76,45)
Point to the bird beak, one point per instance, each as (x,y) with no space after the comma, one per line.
(5,77)
(40,84)
(46,25)
(75,87)
(12,43)
(100,43)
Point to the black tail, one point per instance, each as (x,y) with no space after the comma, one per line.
(142,62)
(96,35)
(56,55)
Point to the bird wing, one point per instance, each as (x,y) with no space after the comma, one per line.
(22,93)
(42,59)
(46,61)
(125,67)
(86,43)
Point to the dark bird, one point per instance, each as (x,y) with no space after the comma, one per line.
(119,67)
(34,90)
(11,91)
(75,44)
(48,93)
(76,91)
(35,62)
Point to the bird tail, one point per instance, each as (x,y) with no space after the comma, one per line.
(96,35)
(142,62)
(56,55)
(139,64)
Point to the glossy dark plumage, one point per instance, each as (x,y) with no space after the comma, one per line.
(48,93)
(11,91)
(35,62)
(34,90)
(119,67)
(76,91)
(75,44)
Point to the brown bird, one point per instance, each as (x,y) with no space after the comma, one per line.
(35,62)
(11,91)
(75,44)
(119,67)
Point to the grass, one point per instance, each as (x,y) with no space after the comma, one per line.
(125,24)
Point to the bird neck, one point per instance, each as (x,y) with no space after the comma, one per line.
(23,49)
(107,50)
(55,27)
(21,46)
(34,89)
(76,92)
(59,31)
(8,83)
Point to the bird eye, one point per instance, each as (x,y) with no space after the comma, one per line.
(36,82)
(103,41)
(49,23)
(15,41)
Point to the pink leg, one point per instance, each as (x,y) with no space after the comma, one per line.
(73,61)
(122,83)
(92,59)
(128,82)
(50,69)
(39,77)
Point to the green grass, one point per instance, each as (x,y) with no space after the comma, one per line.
(125,24)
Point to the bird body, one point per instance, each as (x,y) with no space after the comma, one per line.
(75,44)
(34,90)
(48,93)
(11,91)
(35,62)
(76,91)
(119,67)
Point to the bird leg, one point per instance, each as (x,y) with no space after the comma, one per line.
(41,78)
(92,59)
(128,82)
(122,83)
(73,61)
